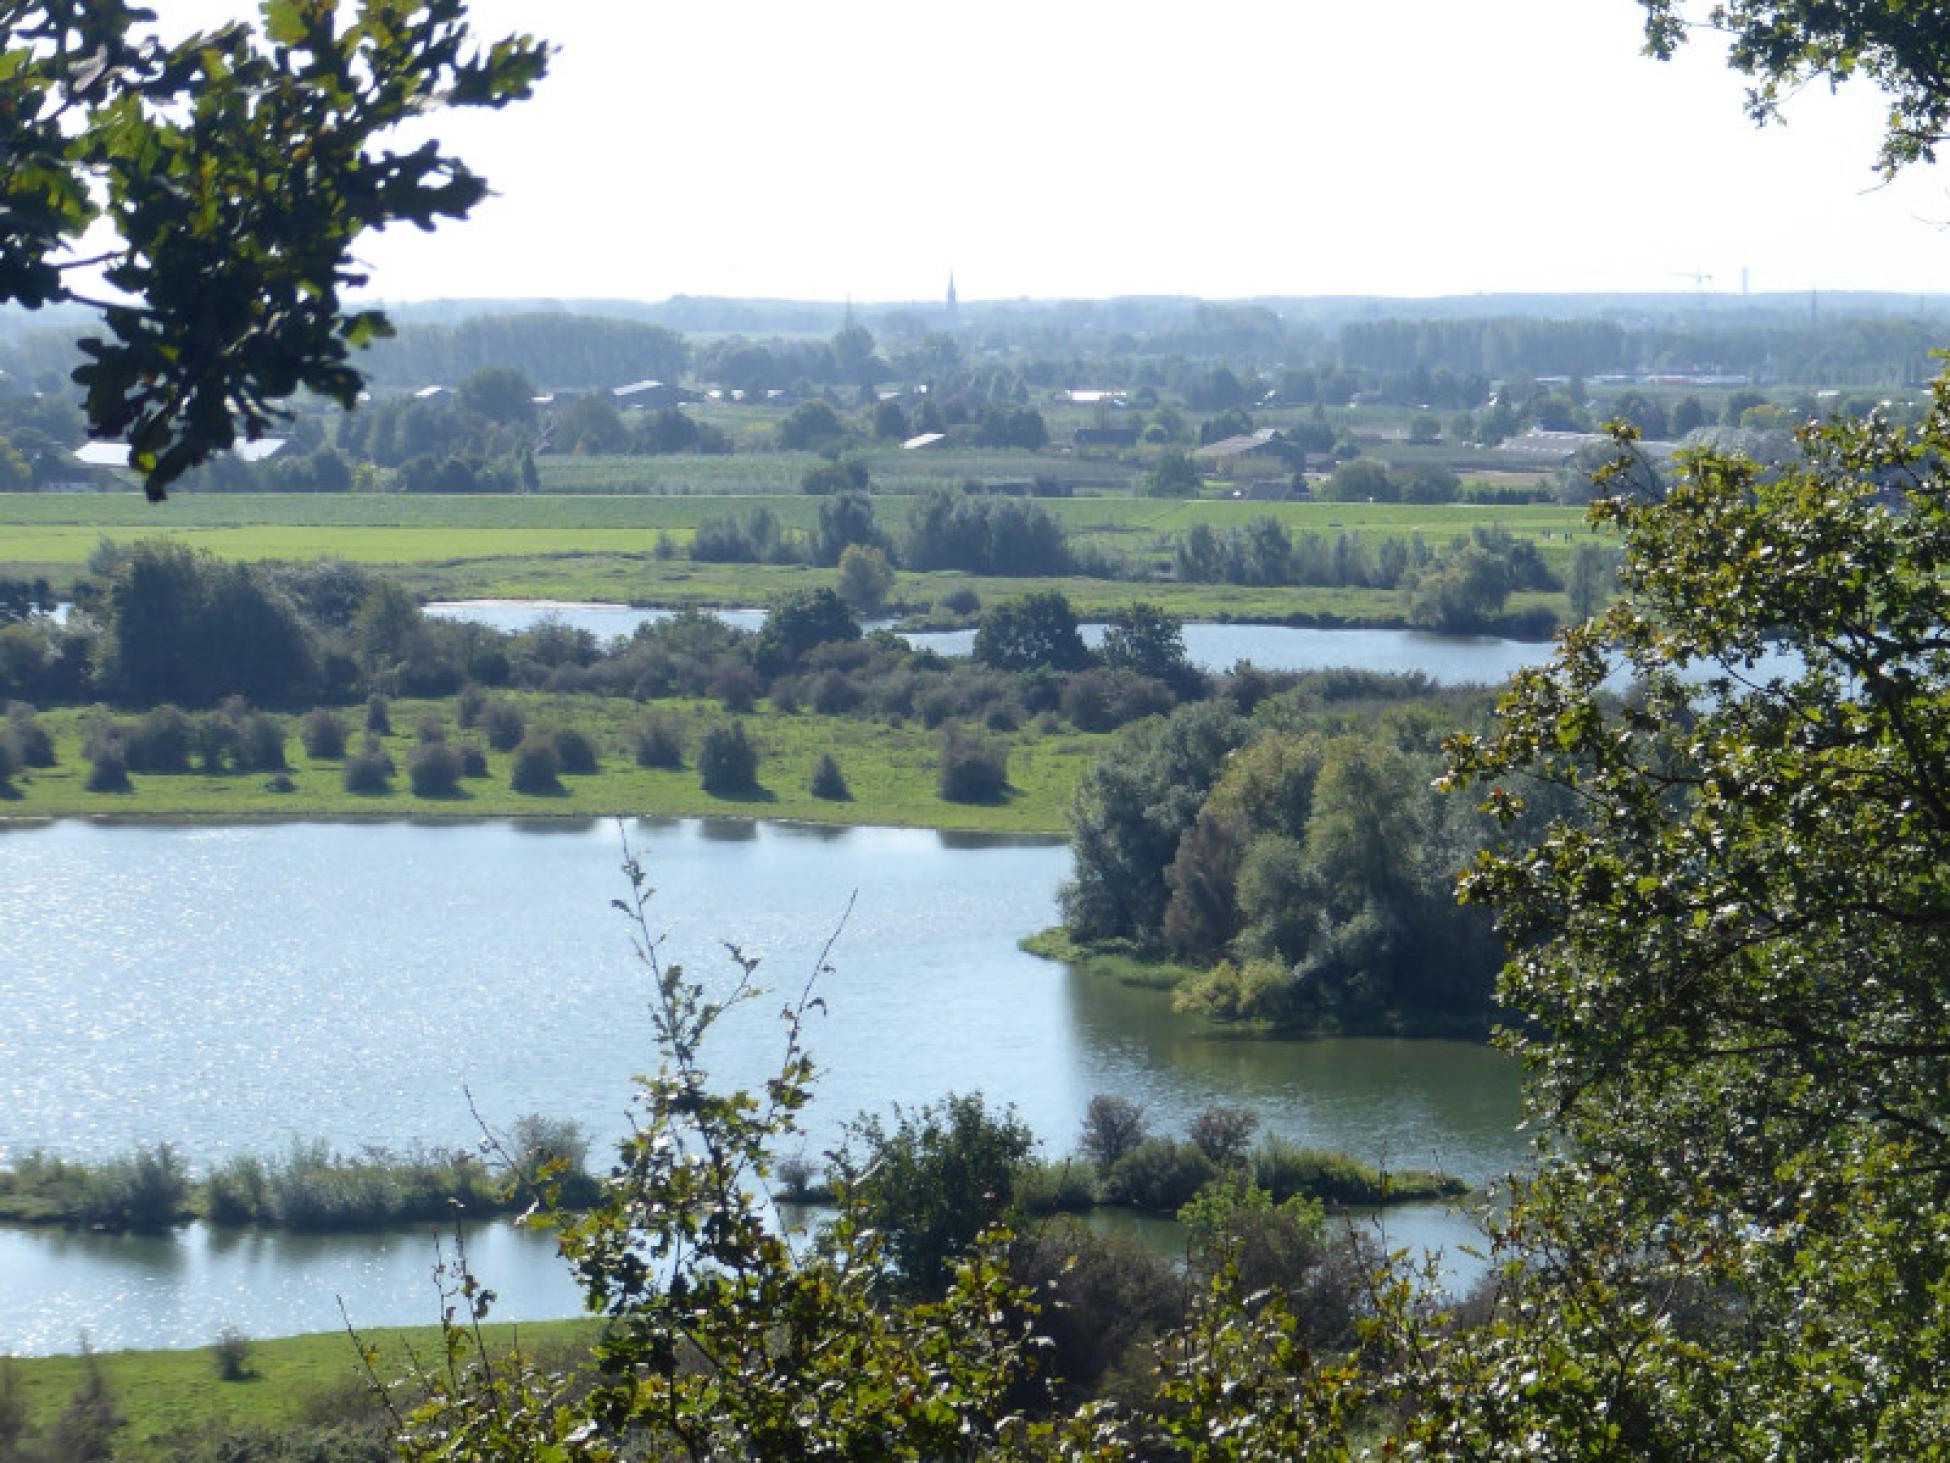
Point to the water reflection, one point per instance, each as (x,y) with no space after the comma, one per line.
(232,988)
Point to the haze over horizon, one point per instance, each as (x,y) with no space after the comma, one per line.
(1417,149)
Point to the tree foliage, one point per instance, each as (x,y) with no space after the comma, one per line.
(234,170)
(1902,47)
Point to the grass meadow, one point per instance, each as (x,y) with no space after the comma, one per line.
(168,1397)
(890,772)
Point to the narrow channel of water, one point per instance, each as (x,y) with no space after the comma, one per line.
(1445,659)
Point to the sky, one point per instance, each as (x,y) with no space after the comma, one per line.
(1083,149)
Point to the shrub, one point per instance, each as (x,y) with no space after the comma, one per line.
(799,1181)
(536,768)
(936,706)
(961,601)
(433,770)
(1285,1169)
(1222,1133)
(552,1151)
(1053,1188)
(215,737)
(160,741)
(972,771)
(575,751)
(1159,1175)
(368,771)
(727,762)
(473,761)
(379,716)
(659,743)
(32,746)
(834,694)
(430,729)
(147,1190)
(502,725)
(322,734)
(9,764)
(237,1192)
(232,1356)
(1112,1127)
(828,781)
(1000,717)
(735,685)
(108,771)
(467,709)
(259,744)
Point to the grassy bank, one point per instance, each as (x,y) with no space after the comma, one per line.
(891,773)
(315,1386)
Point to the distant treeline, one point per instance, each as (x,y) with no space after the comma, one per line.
(1852,351)
(575,352)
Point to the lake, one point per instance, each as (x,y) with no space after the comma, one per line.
(235,987)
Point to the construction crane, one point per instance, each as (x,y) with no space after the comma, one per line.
(1700,280)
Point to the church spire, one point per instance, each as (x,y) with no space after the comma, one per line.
(953,312)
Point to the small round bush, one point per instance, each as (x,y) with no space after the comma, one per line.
(467,710)
(936,707)
(536,767)
(727,762)
(322,735)
(379,717)
(473,761)
(1159,1175)
(369,771)
(108,771)
(1000,717)
(161,741)
(259,746)
(215,737)
(32,745)
(971,771)
(433,770)
(659,743)
(502,725)
(280,782)
(735,685)
(575,751)
(828,781)
(9,764)
(834,694)
(961,601)
(430,729)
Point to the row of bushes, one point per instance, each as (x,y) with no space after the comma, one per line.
(972,769)
(311,1187)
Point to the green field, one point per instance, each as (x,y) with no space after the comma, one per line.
(890,771)
(603,547)
(172,1396)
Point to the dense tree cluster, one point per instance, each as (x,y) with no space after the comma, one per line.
(1296,855)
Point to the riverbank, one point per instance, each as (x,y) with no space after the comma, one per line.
(314,1389)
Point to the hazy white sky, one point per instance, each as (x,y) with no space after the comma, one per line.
(1082,148)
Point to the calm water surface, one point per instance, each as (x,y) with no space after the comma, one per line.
(1446,659)
(232,988)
